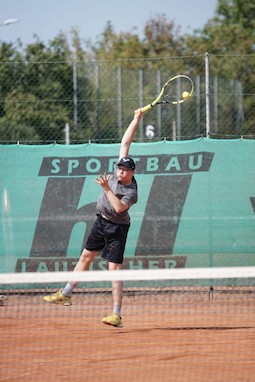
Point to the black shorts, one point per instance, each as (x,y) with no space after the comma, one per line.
(108,237)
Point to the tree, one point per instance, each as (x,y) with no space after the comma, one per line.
(229,37)
(232,29)
(37,90)
(117,47)
(162,37)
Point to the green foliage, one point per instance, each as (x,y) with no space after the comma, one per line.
(43,87)
(36,89)
(231,30)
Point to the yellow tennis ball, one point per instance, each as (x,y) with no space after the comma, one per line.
(185,95)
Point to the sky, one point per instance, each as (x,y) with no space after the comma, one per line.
(46,18)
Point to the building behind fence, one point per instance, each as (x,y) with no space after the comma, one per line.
(77,102)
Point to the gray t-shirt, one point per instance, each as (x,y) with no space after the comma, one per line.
(127,193)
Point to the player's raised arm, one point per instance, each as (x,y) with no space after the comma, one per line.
(129,133)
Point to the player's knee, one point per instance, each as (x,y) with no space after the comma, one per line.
(114,266)
(87,256)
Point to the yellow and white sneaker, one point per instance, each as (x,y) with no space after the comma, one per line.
(58,298)
(113,319)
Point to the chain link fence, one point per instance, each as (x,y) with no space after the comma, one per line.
(77,102)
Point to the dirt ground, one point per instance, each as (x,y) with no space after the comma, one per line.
(164,338)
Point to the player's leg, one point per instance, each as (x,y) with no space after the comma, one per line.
(85,260)
(83,264)
(114,318)
(95,243)
(117,290)
(114,253)
(63,297)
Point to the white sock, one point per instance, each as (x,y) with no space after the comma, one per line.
(68,290)
(117,310)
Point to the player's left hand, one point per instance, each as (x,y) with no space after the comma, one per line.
(103,180)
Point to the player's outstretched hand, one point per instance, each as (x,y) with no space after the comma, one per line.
(103,180)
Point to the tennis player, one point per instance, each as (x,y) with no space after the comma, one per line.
(109,232)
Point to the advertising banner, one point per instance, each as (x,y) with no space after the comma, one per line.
(196,203)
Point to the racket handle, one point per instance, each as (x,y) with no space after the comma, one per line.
(147,107)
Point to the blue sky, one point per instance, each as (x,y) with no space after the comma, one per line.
(46,18)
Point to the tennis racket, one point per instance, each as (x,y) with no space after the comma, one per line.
(176,90)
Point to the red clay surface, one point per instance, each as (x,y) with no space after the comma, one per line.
(163,339)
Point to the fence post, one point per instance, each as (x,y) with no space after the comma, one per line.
(119,97)
(159,86)
(215,104)
(67,134)
(178,111)
(75,95)
(97,85)
(141,101)
(207,93)
(198,101)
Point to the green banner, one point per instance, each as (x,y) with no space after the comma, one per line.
(195,209)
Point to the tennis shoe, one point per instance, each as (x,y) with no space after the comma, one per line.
(58,298)
(113,319)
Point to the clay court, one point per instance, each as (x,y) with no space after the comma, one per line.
(165,337)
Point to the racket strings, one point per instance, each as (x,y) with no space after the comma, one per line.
(169,94)
(177,90)
(173,91)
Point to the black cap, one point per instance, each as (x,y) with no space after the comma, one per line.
(127,162)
